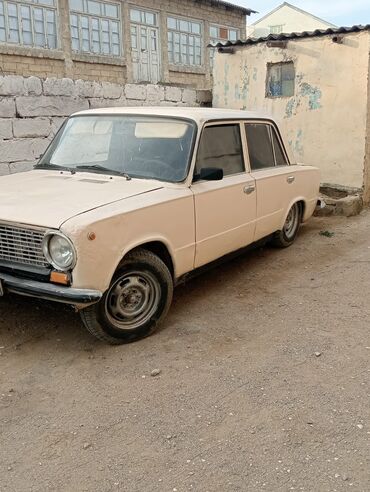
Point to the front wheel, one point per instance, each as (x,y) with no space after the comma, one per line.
(138,298)
(287,235)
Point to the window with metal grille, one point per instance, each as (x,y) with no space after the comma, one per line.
(184,41)
(29,23)
(280,79)
(95,27)
(219,34)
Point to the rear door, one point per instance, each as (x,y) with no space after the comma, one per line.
(225,210)
(275,177)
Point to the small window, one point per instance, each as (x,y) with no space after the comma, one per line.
(276,29)
(261,154)
(221,147)
(280,79)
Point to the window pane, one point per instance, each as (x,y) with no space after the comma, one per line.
(171,23)
(213,31)
(184,26)
(195,28)
(233,35)
(149,18)
(279,154)
(93,7)
(76,5)
(260,146)
(221,147)
(135,15)
(111,10)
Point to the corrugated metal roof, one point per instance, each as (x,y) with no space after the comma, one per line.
(294,35)
(229,6)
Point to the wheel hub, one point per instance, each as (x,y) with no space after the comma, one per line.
(132,299)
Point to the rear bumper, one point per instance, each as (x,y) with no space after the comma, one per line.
(51,292)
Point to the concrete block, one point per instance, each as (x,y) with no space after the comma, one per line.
(173,94)
(49,105)
(6,130)
(12,85)
(23,149)
(33,86)
(4,168)
(31,127)
(7,107)
(204,97)
(134,102)
(96,103)
(21,167)
(55,123)
(58,87)
(154,94)
(189,97)
(111,91)
(135,91)
(85,88)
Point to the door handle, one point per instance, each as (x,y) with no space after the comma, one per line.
(290,179)
(249,189)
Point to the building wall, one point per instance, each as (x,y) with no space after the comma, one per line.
(291,20)
(32,110)
(63,62)
(325,122)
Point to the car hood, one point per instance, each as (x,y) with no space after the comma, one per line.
(49,198)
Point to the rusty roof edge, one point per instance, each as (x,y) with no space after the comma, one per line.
(294,35)
(229,5)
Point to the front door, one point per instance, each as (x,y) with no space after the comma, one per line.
(225,210)
(145,46)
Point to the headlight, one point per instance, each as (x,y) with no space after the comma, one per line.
(59,251)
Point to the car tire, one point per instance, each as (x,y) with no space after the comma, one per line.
(137,300)
(286,237)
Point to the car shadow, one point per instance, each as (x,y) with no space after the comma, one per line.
(28,320)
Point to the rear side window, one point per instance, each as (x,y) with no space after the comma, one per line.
(281,160)
(264,147)
(221,147)
(261,154)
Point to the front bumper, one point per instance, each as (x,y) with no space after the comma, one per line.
(51,292)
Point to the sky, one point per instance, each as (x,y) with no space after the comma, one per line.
(339,12)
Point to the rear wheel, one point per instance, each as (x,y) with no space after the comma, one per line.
(138,298)
(287,235)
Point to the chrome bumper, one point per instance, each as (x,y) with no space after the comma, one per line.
(51,292)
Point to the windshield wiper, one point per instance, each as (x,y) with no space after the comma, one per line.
(54,166)
(98,167)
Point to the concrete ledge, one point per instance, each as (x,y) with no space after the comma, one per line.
(340,202)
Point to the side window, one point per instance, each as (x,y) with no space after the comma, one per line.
(281,160)
(261,154)
(220,146)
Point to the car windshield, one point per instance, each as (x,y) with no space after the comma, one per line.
(137,146)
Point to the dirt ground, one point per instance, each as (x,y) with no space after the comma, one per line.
(264,383)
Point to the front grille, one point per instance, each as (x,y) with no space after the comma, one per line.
(22,245)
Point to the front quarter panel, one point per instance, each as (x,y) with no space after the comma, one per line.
(165,215)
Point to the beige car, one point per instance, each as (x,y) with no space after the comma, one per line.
(125,202)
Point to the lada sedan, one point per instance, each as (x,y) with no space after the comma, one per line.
(125,202)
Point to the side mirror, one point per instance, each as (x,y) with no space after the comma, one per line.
(210,174)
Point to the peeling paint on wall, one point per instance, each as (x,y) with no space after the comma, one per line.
(314,95)
(298,145)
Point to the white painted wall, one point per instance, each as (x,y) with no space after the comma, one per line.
(325,121)
(290,18)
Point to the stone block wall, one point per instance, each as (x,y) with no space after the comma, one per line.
(33,109)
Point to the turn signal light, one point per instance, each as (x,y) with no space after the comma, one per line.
(59,278)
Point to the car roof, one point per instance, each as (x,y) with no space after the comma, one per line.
(200,115)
